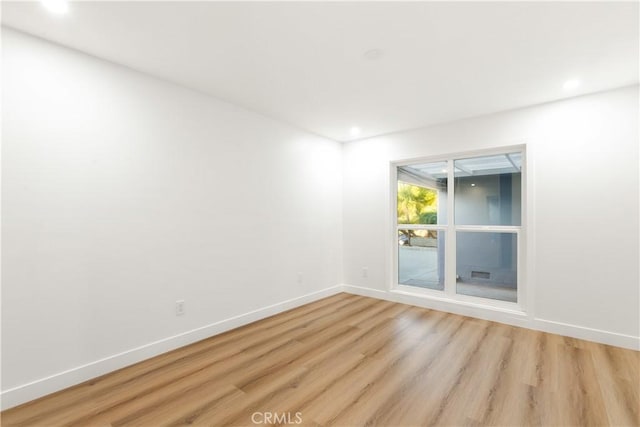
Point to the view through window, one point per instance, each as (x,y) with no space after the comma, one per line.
(461,216)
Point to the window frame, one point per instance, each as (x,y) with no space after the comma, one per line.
(450,229)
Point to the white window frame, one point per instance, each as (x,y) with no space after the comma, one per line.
(450,228)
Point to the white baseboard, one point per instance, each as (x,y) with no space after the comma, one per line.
(589,334)
(502,316)
(41,387)
(510,317)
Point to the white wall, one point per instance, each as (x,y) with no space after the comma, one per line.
(123,193)
(583,210)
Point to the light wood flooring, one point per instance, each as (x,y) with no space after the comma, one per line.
(352,361)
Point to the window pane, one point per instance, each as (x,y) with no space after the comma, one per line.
(486,265)
(421,258)
(488,190)
(422,193)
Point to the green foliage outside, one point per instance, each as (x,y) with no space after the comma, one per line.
(416,205)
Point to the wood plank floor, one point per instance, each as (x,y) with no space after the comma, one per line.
(351,361)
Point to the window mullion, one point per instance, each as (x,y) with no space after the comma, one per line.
(450,236)
(421,227)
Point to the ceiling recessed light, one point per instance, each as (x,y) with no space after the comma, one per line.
(373,54)
(355,131)
(473,185)
(59,7)
(571,84)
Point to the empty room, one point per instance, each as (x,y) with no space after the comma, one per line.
(320,213)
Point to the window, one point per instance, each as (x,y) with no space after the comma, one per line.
(459,225)
(421,210)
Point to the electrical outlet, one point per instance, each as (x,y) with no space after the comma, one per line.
(300,279)
(365,272)
(179,307)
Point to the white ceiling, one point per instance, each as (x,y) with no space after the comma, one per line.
(304,62)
